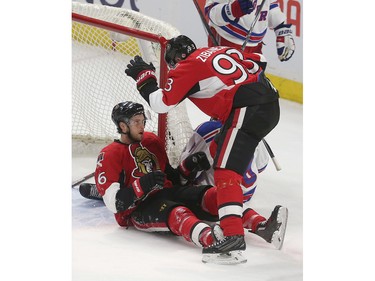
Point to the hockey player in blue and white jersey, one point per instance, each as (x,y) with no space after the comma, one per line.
(230,22)
(202,140)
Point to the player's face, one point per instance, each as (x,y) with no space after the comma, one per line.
(137,127)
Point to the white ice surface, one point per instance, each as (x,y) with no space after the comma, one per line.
(102,250)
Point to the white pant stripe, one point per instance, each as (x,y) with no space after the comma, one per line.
(228,148)
(241,117)
(232,138)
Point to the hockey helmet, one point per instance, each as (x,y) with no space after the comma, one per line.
(123,111)
(178,48)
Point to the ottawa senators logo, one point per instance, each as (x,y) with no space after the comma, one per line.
(144,160)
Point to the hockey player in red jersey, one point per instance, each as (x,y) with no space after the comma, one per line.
(227,85)
(202,140)
(138,185)
(272,229)
(230,22)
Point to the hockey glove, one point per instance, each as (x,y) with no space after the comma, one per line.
(140,71)
(237,9)
(148,184)
(284,42)
(193,164)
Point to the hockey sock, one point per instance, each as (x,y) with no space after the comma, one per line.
(251,219)
(183,222)
(212,148)
(229,199)
(209,201)
(205,237)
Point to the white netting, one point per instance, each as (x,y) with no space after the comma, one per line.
(99,82)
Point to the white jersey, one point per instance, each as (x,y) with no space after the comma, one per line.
(236,31)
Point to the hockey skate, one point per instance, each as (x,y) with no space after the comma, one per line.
(273,230)
(226,251)
(89,191)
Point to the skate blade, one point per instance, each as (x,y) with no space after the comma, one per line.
(278,237)
(233,257)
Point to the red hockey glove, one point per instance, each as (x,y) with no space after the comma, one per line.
(141,72)
(193,164)
(284,42)
(238,9)
(148,184)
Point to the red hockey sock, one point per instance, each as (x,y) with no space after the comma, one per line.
(251,219)
(183,222)
(209,201)
(205,238)
(229,199)
(213,148)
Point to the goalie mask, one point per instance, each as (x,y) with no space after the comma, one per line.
(177,49)
(123,111)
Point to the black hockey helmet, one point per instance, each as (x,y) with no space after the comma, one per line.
(178,48)
(123,111)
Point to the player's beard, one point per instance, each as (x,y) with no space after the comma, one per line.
(135,137)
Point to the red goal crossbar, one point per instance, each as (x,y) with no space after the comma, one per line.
(141,35)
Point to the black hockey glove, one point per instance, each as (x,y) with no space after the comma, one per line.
(148,184)
(144,75)
(193,164)
(138,66)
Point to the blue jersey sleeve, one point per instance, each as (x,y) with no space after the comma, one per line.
(208,130)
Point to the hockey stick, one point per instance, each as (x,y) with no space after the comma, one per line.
(270,152)
(203,19)
(252,25)
(77,182)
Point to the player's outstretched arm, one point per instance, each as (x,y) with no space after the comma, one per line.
(144,75)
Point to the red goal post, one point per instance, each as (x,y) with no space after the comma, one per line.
(104,39)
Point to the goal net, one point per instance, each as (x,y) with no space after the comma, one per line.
(104,40)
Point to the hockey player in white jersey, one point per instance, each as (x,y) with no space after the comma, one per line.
(230,22)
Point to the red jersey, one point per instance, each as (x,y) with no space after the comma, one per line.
(119,164)
(209,77)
